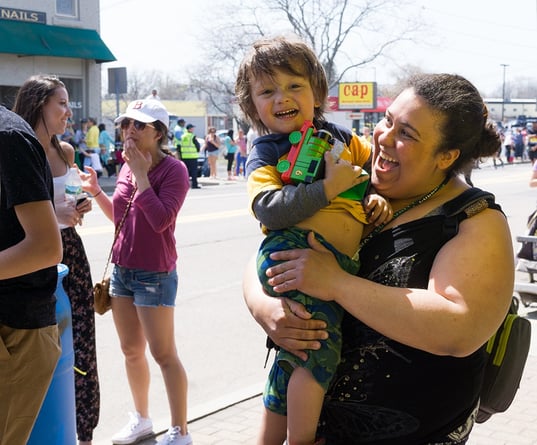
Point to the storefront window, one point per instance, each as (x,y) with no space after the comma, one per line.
(76,100)
(67,7)
(7,96)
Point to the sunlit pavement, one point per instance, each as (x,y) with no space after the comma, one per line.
(237,421)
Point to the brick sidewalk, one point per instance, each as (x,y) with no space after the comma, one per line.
(518,425)
(238,424)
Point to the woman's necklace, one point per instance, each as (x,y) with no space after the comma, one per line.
(399,212)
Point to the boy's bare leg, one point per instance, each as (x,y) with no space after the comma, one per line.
(304,402)
(273,429)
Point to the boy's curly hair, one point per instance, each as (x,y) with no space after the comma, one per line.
(289,54)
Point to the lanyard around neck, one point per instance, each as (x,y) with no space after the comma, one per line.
(399,212)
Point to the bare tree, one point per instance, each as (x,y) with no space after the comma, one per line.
(400,77)
(346,35)
(520,87)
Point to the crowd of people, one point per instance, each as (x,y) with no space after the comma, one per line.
(39,215)
(369,299)
(233,150)
(101,154)
(519,143)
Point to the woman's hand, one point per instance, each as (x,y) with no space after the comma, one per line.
(313,271)
(84,206)
(66,212)
(89,180)
(289,328)
(285,321)
(139,162)
(91,185)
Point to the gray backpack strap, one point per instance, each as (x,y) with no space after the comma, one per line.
(467,204)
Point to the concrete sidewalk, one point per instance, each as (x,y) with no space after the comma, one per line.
(108,184)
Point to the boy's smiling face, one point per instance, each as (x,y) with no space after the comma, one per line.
(283,101)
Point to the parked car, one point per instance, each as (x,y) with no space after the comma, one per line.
(222,134)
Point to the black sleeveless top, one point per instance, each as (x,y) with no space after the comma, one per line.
(385,392)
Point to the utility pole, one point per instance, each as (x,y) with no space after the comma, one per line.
(503,89)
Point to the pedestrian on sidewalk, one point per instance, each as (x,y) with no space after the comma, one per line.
(188,153)
(43,101)
(150,191)
(212,149)
(230,150)
(93,151)
(106,144)
(30,249)
(420,311)
(242,154)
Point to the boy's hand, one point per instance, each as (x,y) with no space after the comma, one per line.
(340,176)
(378,209)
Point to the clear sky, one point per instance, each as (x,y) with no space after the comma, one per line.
(469,37)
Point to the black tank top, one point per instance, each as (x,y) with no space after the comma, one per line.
(385,392)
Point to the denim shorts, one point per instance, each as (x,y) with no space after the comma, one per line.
(150,289)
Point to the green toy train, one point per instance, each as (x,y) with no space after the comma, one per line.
(305,161)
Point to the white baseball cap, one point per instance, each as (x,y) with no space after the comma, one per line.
(145,110)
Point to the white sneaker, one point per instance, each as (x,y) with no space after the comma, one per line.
(138,428)
(174,437)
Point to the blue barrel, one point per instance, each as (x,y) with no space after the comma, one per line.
(56,422)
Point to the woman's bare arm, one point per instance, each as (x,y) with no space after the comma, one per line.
(41,246)
(533,179)
(91,185)
(470,289)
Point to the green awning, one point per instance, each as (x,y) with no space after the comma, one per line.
(36,39)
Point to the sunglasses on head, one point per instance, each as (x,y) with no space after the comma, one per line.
(139,126)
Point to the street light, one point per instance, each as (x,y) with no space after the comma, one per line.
(503,89)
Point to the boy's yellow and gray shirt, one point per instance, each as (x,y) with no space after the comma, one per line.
(298,202)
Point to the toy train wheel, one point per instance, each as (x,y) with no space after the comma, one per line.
(295,137)
(283,166)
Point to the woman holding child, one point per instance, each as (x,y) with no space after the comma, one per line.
(422,306)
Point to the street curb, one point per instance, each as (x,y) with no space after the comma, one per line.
(108,185)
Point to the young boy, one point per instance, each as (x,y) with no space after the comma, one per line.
(280,85)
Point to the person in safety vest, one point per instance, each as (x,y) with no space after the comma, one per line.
(188,153)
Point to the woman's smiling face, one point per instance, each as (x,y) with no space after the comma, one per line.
(56,111)
(406,163)
(283,101)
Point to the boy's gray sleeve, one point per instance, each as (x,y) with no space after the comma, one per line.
(286,207)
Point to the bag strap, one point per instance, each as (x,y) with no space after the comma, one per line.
(118,229)
(467,204)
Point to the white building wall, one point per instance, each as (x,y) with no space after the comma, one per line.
(14,69)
